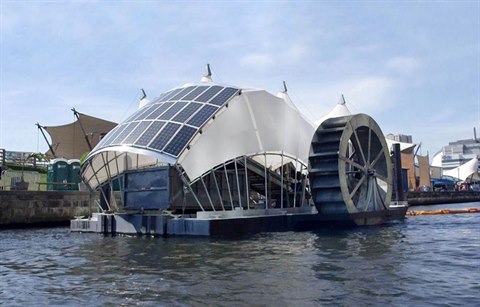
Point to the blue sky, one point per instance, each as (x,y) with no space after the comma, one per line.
(412,65)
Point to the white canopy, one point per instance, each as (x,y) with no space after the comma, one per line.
(247,122)
(465,171)
(254,122)
(338,111)
(437,159)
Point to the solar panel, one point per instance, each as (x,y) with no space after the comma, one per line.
(173,110)
(111,136)
(171,94)
(147,110)
(195,93)
(212,91)
(124,133)
(223,96)
(164,136)
(202,115)
(156,101)
(106,137)
(182,93)
(148,135)
(180,140)
(135,114)
(162,95)
(160,110)
(187,112)
(136,133)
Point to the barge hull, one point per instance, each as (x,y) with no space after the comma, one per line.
(229,226)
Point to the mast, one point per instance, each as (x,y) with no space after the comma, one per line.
(46,140)
(81,127)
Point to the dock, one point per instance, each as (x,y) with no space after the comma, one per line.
(435,198)
(42,208)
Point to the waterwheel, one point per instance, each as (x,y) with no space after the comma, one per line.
(350,170)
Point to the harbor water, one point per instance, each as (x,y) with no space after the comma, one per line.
(424,260)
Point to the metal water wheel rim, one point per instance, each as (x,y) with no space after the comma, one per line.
(370,157)
(350,171)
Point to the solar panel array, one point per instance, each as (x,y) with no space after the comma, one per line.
(169,123)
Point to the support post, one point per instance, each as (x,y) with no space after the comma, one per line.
(218,190)
(208,194)
(238,185)
(247,190)
(185,182)
(228,185)
(295,185)
(397,165)
(266,182)
(281,183)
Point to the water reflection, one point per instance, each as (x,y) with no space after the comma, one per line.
(399,264)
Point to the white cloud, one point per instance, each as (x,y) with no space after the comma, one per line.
(279,55)
(258,61)
(368,94)
(403,65)
(371,93)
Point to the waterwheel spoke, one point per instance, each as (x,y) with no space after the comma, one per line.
(377,158)
(379,194)
(353,163)
(369,144)
(353,153)
(374,194)
(363,181)
(369,194)
(359,145)
(381,177)
(359,184)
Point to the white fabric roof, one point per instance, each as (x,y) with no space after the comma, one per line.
(437,159)
(338,111)
(465,170)
(341,109)
(250,123)
(254,122)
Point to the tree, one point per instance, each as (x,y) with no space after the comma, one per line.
(22,185)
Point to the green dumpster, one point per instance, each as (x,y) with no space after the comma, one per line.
(57,174)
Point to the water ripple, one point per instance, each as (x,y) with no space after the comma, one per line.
(422,261)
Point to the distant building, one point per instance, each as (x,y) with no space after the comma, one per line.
(458,155)
(399,137)
(16,156)
(408,157)
(459,152)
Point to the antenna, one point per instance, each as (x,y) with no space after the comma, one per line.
(144,95)
(342,100)
(285,89)
(208,76)
(209,72)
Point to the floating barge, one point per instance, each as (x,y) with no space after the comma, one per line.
(213,159)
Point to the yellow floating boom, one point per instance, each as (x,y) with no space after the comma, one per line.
(442,211)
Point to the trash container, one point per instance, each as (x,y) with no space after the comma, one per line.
(57,173)
(74,173)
